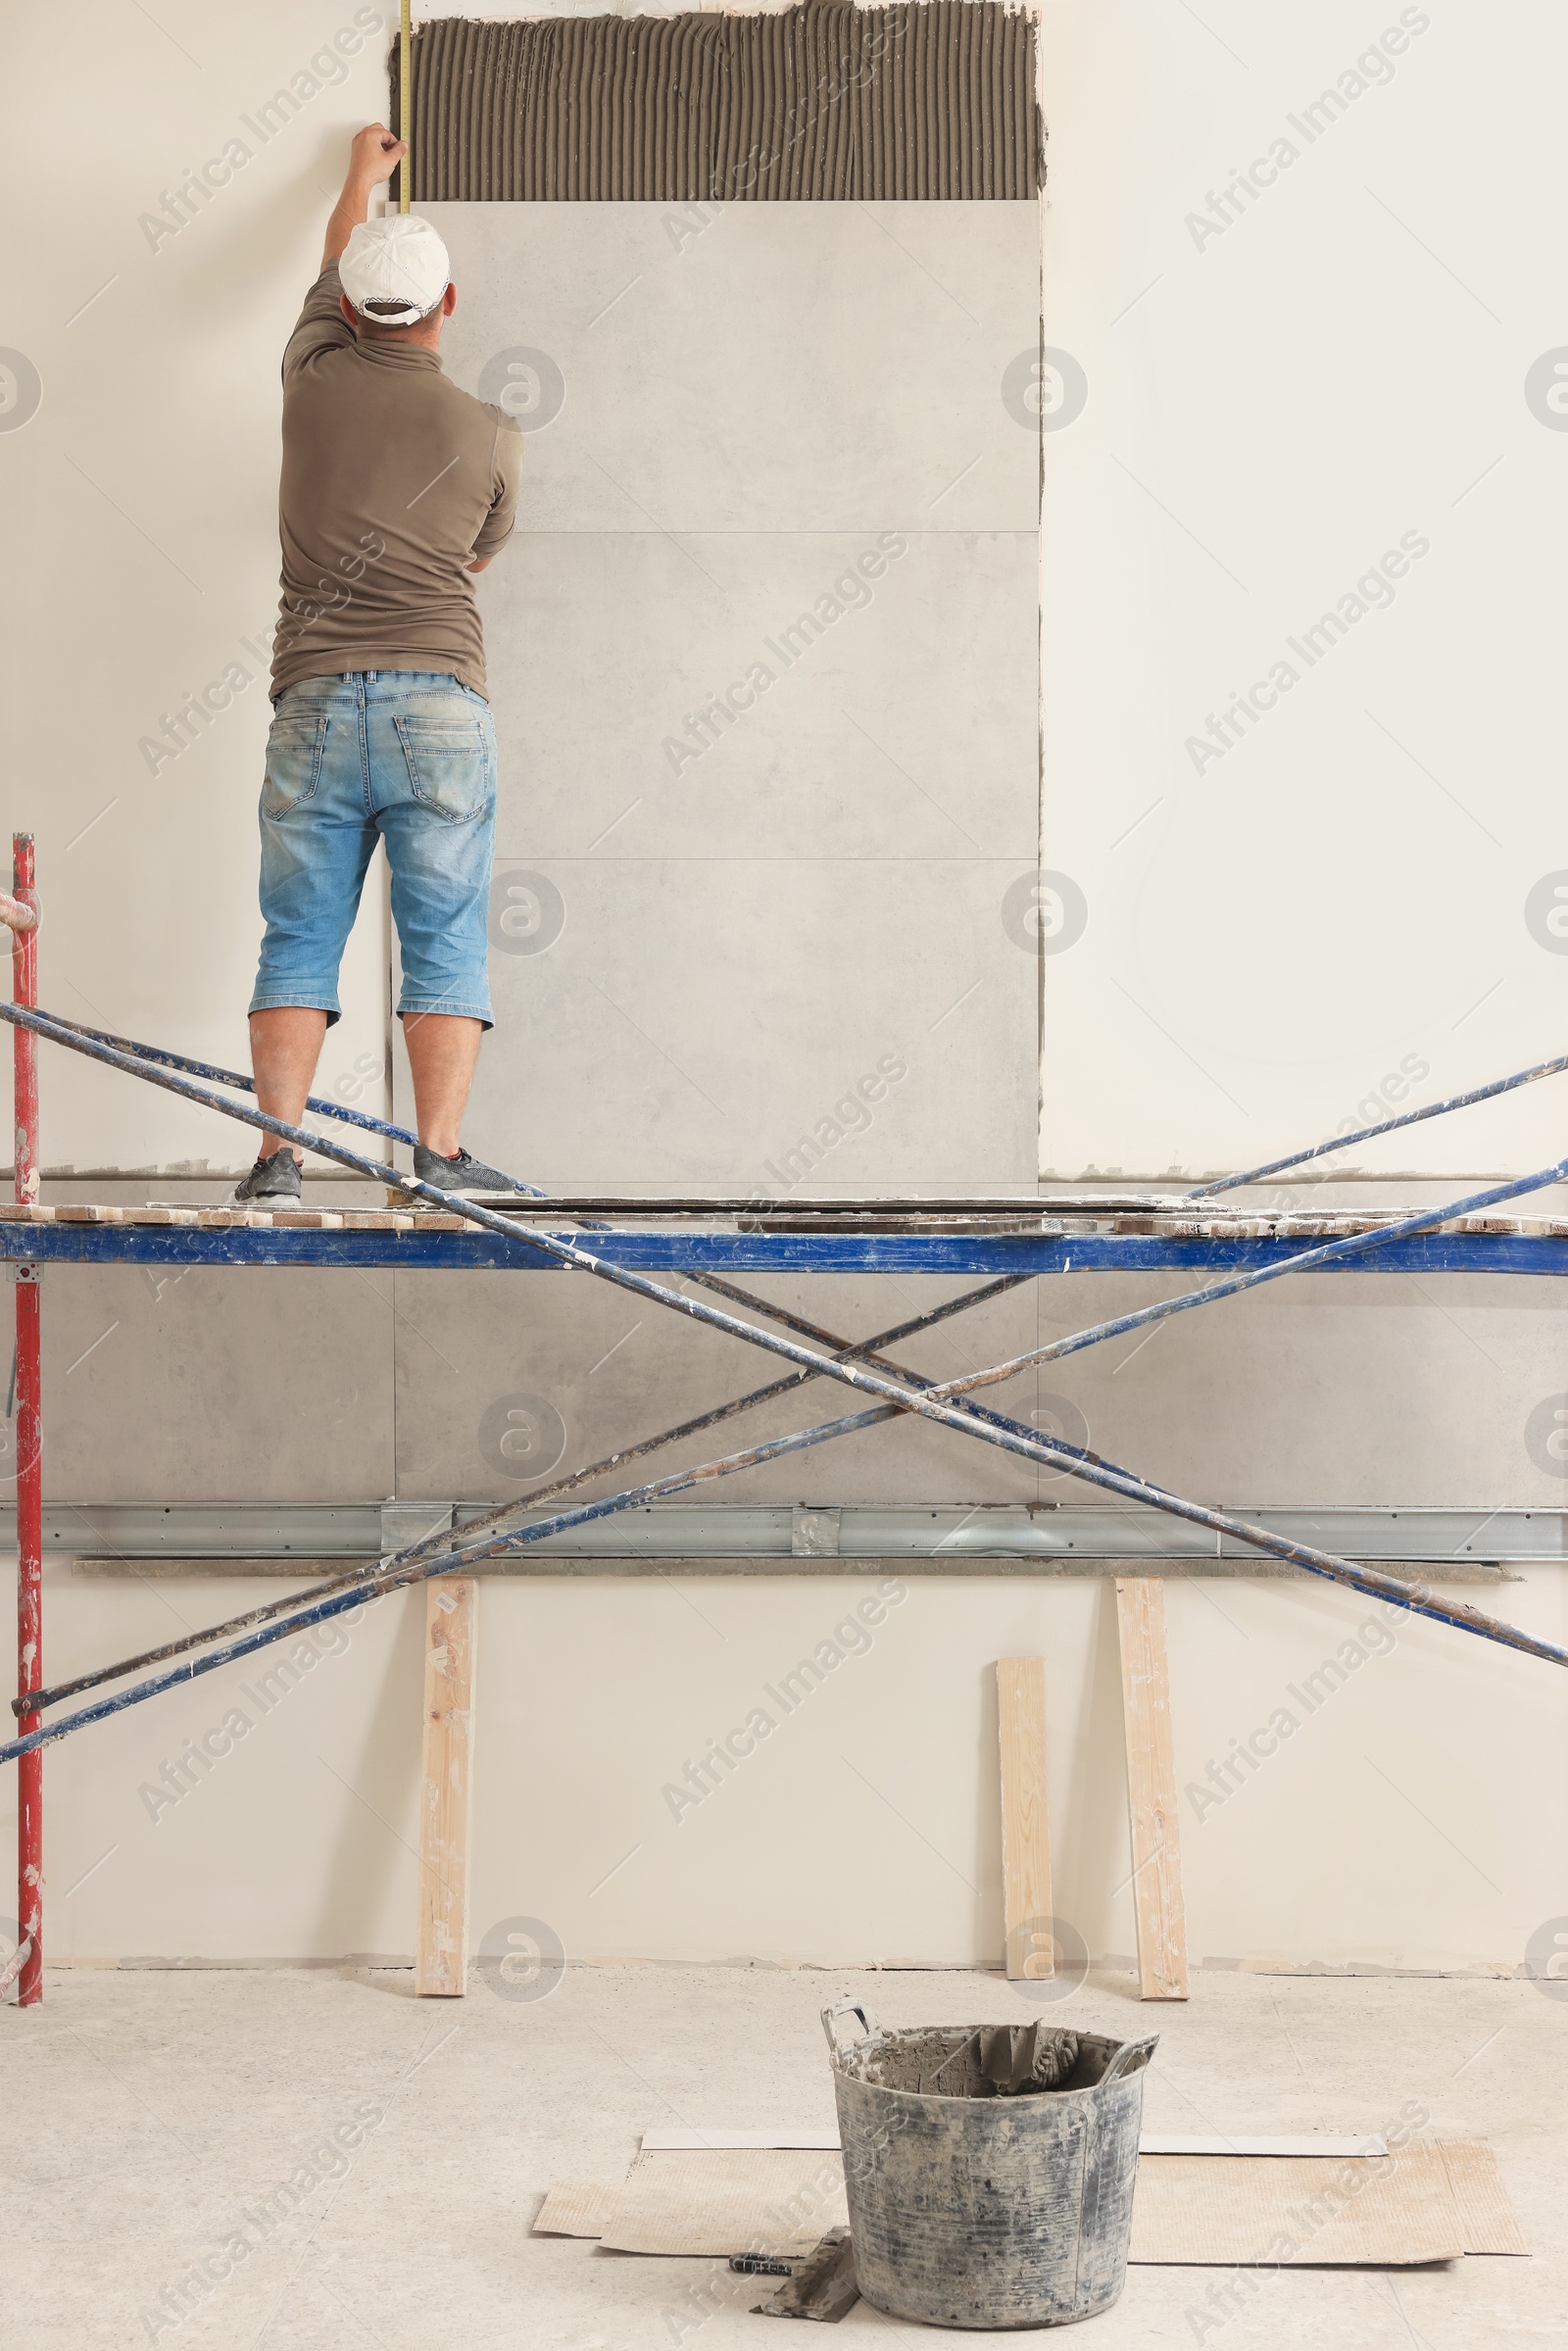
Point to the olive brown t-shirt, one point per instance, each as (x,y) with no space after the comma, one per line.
(393,482)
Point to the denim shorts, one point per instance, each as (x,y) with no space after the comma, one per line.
(407,756)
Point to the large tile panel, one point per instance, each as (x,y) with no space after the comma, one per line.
(789,367)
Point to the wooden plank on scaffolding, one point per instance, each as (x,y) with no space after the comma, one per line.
(446,1787)
(1025,1826)
(1152,1788)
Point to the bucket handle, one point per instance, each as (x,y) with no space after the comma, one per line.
(1123,2061)
(847,2007)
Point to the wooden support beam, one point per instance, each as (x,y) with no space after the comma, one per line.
(1026,1826)
(446,1785)
(1152,1788)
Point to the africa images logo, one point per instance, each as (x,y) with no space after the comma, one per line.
(21,390)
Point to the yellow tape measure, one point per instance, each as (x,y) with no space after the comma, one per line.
(405,100)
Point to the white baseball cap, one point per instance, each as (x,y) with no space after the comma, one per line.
(394,270)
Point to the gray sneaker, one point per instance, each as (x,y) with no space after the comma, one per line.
(272,1183)
(468,1178)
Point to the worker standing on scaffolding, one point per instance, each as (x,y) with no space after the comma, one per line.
(395,487)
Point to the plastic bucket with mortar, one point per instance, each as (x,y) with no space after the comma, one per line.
(989,2168)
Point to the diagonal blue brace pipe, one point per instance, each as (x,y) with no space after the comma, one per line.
(1387,1126)
(1416,1599)
(927,1405)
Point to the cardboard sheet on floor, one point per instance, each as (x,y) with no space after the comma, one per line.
(1418,2204)
(731,2134)
(748,2200)
(1487,2217)
(1316,2143)
(576,2208)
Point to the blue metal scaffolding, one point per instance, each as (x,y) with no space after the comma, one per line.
(1010,1240)
(628,1243)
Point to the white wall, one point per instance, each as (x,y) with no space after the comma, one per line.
(1271,405)
(141,504)
(1310,912)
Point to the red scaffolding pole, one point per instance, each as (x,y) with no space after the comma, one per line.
(29,1451)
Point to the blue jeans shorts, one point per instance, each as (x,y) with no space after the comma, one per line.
(407,756)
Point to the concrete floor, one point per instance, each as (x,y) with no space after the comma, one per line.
(150,2114)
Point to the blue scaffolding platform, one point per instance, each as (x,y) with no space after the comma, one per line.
(859,1240)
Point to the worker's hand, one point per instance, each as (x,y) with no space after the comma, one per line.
(373,158)
(374,155)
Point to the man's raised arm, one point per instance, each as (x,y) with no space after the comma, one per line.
(372,159)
